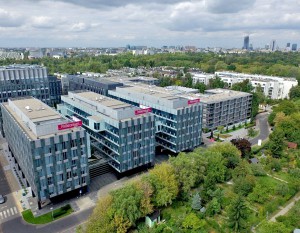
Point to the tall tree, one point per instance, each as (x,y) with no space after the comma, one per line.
(276,143)
(165,185)
(238,214)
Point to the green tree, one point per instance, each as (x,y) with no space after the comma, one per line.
(274,227)
(165,185)
(101,219)
(276,143)
(216,168)
(126,205)
(216,83)
(189,171)
(213,207)
(196,202)
(238,214)
(192,222)
(294,92)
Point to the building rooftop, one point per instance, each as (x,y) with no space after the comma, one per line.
(20,66)
(217,95)
(35,110)
(37,119)
(102,106)
(104,100)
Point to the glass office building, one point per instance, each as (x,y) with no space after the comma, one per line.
(123,133)
(51,152)
(178,120)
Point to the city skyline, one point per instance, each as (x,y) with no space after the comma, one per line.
(98,23)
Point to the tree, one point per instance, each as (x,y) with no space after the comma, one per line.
(244,86)
(216,83)
(276,143)
(238,214)
(189,170)
(192,222)
(126,205)
(243,145)
(274,227)
(213,207)
(294,92)
(196,202)
(200,86)
(100,220)
(216,168)
(165,185)
(220,128)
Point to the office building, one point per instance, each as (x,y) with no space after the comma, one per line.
(273,87)
(224,107)
(123,133)
(29,80)
(272,45)
(294,47)
(177,119)
(51,152)
(246,42)
(82,82)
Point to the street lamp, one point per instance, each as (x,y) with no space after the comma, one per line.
(52,212)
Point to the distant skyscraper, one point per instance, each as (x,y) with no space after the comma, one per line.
(272,46)
(246,43)
(294,47)
(288,45)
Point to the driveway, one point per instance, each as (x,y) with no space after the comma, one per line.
(264,131)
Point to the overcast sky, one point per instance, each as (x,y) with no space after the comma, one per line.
(110,23)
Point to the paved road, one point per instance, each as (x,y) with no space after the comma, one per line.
(264,131)
(17,225)
(8,210)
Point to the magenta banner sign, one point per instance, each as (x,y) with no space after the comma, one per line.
(69,125)
(194,101)
(142,111)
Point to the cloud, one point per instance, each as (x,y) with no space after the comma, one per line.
(8,19)
(228,6)
(116,3)
(152,22)
(43,22)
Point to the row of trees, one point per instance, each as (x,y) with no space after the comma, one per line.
(172,181)
(280,64)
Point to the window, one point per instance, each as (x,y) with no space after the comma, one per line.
(69,175)
(65,156)
(49,181)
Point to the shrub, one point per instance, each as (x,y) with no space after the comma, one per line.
(258,170)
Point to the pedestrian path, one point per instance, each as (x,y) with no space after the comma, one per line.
(8,212)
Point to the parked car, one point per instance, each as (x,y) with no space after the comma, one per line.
(2,200)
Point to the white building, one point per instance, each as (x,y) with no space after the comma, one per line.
(273,87)
(199,77)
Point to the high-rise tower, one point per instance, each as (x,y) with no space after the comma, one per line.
(246,43)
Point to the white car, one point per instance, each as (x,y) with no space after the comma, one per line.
(2,200)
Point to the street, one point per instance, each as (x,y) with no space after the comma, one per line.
(8,210)
(262,123)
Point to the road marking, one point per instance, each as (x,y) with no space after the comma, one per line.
(12,211)
(1,215)
(4,214)
(8,213)
(15,209)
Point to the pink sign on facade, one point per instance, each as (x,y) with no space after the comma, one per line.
(194,101)
(69,125)
(142,111)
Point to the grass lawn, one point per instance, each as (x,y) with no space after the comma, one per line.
(225,135)
(45,218)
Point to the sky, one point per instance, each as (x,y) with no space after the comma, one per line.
(116,23)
